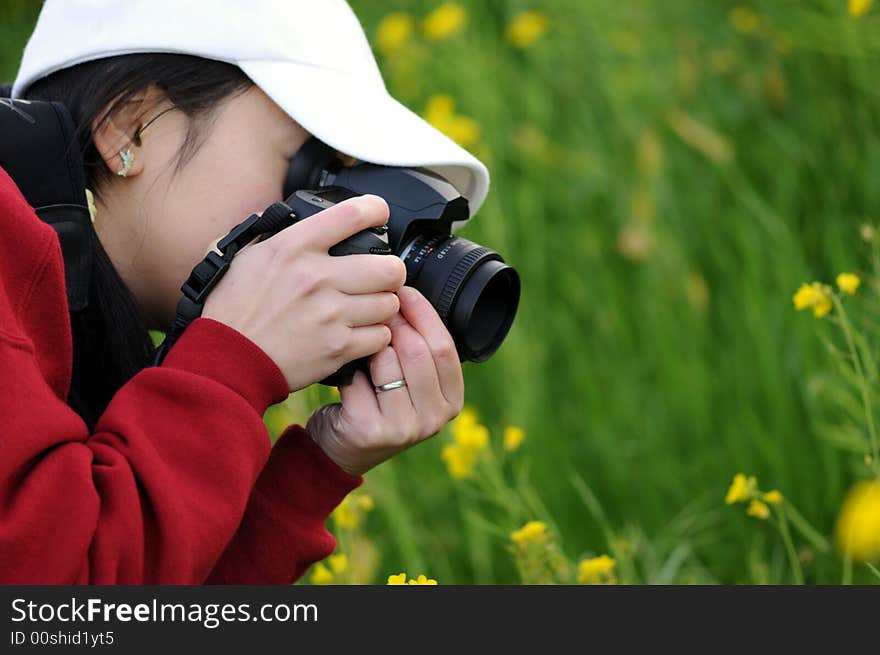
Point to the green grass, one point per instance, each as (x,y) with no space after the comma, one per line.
(653,379)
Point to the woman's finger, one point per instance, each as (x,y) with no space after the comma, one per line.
(420,372)
(422,316)
(394,403)
(362,273)
(358,397)
(369,308)
(366,340)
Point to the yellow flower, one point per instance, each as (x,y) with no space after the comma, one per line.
(531,533)
(859,8)
(804,297)
(346,516)
(393,32)
(422,580)
(350,512)
(464,422)
(815,295)
(475,438)
(338,563)
(463,130)
(848,283)
(321,575)
(468,415)
(513,437)
(470,440)
(440,107)
(597,569)
(758,509)
(741,489)
(822,306)
(400,578)
(446,20)
(774,497)
(744,20)
(858,526)
(440,112)
(526,28)
(459,460)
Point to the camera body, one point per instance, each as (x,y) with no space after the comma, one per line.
(475,293)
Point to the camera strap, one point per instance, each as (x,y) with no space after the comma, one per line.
(40,152)
(213,267)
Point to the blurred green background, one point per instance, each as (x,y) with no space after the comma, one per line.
(664,176)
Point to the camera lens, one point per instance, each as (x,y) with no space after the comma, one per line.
(473,290)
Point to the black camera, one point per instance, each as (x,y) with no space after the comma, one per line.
(474,292)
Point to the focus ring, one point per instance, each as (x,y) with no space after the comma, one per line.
(453,282)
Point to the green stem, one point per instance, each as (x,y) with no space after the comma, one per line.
(863,382)
(494,485)
(807,531)
(847,570)
(789,547)
(343,545)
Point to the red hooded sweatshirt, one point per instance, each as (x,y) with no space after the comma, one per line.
(178,483)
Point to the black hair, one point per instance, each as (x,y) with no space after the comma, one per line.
(111,340)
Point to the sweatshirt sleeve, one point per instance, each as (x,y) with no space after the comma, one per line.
(283,530)
(176,482)
(157,492)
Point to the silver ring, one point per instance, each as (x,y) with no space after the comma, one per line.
(391,385)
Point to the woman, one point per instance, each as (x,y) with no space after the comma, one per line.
(164,474)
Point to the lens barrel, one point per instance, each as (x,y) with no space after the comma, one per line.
(475,293)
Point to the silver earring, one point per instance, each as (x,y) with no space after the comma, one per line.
(90,202)
(127,160)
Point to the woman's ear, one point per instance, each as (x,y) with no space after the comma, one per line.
(117,139)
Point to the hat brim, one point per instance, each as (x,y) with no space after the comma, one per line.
(363,121)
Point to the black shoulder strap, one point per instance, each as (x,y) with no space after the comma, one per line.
(40,152)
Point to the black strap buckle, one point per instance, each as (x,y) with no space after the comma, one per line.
(205,276)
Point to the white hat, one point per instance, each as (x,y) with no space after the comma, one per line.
(310,56)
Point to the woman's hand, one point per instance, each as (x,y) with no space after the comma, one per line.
(311,312)
(368,427)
